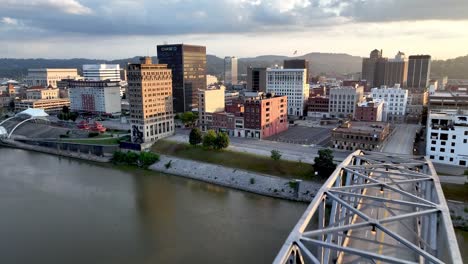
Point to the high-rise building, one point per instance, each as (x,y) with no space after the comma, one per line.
(298,64)
(46,77)
(369,67)
(230,70)
(396,71)
(150,99)
(101,97)
(256,79)
(381,65)
(101,72)
(419,70)
(290,83)
(188,65)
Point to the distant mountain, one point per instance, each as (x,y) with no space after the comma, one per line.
(320,63)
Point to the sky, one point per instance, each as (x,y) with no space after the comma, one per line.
(115,29)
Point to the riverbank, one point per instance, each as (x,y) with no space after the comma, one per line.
(57,152)
(296,190)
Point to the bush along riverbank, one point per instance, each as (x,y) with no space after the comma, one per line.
(141,160)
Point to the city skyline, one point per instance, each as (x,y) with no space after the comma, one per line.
(102,29)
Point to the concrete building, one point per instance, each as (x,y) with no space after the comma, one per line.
(210,100)
(395,102)
(231,97)
(419,71)
(298,64)
(101,72)
(50,106)
(188,65)
(256,79)
(417,100)
(98,97)
(447,137)
(265,116)
(150,99)
(46,77)
(35,93)
(230,70)
(318,106)
(343,100)
(211,79)
(360,135)
(447,100)
(290,83)
(369,66)
(370,111)
(396,71)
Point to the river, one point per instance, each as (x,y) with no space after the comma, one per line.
(58,210)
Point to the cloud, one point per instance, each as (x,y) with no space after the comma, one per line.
(66,6)
(9,21)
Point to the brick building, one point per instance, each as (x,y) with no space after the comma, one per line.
(371,110)
(360,135)
(265,116)
(318,106)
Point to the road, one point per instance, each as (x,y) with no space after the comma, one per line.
(402,140)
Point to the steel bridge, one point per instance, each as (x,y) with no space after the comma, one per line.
(375,208)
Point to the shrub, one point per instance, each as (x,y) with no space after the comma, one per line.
(168,164)
(466,172)
(221,141)
(93,134)
(209,139)
(195,137)
(143,159)
(64,136)
(147,158)
(275,155)
(323,164)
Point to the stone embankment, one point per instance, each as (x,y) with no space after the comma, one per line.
(290,189)
(459,213)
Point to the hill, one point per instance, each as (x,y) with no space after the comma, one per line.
(453,68)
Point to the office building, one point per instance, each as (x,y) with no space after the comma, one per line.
(298,64)
(98,97)
(210,100)
(448,100)
(369,66)
(49,77)
(256,79)
(290,83)
(370,110)
(318,107)
(419,70)
(101,72)
(396,71)
(35,93)
(150,99)
(395,102)
(230,70)
(447,137)
(265,116)
(343,101)
(50,106)
(360,135)
(188,65)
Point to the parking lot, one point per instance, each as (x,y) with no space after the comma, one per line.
(304,135)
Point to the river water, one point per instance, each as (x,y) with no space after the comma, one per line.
(58,210)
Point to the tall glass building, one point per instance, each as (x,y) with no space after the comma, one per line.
(188,64)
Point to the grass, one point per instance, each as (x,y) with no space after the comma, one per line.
(108,141)
(455,192)
(236,160)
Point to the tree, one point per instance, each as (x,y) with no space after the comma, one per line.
(323,164)
(11,105)
(209,139)
(195,137)
(188,118)
(275,154)
(65,109)
(222,141)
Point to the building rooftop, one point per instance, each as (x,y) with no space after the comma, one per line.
(374,103)
(361,126)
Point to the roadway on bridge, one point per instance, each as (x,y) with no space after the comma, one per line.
(379,242)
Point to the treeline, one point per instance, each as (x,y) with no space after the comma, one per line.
(142,159)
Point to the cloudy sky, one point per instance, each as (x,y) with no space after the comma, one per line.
(112,29)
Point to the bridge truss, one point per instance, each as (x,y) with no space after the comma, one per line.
(375,208)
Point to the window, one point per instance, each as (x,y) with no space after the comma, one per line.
(452,151)
(432,148)
(462,163)
(442,150)
(441,158)
(431,157)
(453,144)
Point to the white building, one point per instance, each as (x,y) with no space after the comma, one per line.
(101,72)
(292,83)
(447,137)
(343,100)
(100,97)
(396,100)
(211,79)
(49,77)
(230,70)
(210,101)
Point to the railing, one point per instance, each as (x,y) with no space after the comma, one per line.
(375,207)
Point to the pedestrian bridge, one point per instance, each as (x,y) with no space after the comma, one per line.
(375,208)
(9,125)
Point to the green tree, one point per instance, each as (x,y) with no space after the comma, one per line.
(65,109)
(222,141)
(323,164)
(188,118)
(146,159)
(195,137)
(209,139)
(275,154)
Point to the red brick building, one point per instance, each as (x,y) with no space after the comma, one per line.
(318,106)
(371,111)
(265,116)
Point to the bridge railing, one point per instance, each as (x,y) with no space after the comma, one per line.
(396,200)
